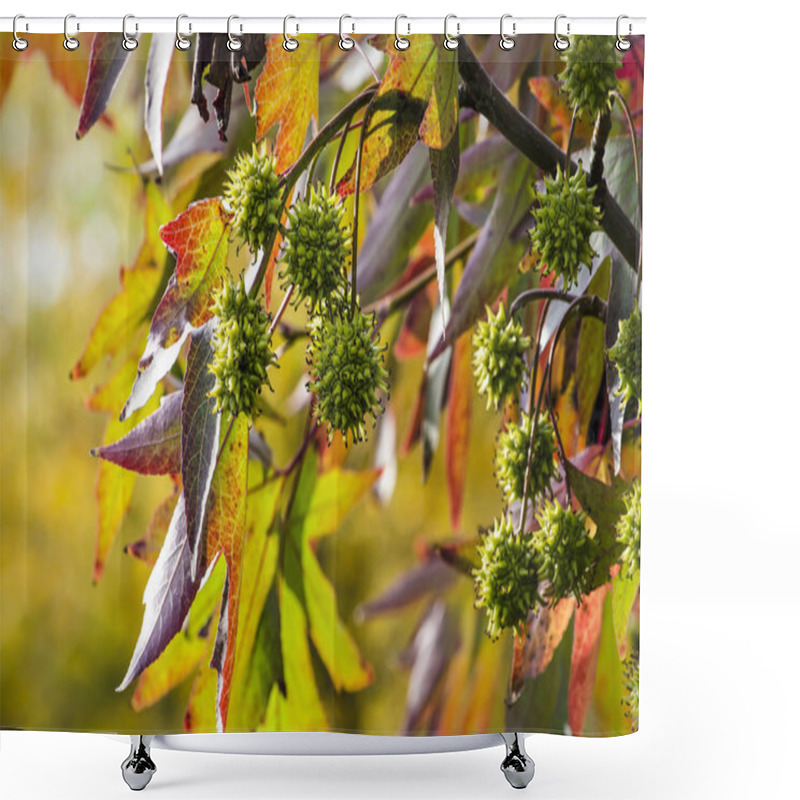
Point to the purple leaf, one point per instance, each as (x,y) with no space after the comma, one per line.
(433,576)
(444,173)
(153,447)
(393,230)
(105,67)
(200,437)
(494,258)
(437,370)
(167,597)
(155,81)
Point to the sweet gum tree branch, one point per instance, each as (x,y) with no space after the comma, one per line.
(481,94)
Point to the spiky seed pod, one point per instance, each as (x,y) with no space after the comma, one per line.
(499,357)
(242,351)
(630,672)
(627,355)
(253,195)
(568,552)
(511,458)
(565,217)
(507,578)
(318,244)
(590,73)
(629,530)
(347,372)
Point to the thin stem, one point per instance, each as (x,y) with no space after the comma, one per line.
(526,486)
(568,154)
(523,298)
(390,303)
(284,303)
(586,305)
(338,157)
(356,198)
(637,172)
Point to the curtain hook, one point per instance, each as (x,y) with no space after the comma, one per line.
(289,43)
(18,44)
(400,42)
(623,43)
(451,42)
(345,42)
(181,42)
(70,42)
(234,42)
(128,42)
(560,42)
(507,42)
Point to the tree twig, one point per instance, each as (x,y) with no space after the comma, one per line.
(482,94)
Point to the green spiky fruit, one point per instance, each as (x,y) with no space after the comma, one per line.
(318,244)
(511,458)
(629,530)
(347,372)
(590,73)
(627,355)
(565,216)
(253,195)
(242,351)
(568,551)
(499,357)
(507,578)
(630,672)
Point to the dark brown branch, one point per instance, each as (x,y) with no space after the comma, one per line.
(481,94)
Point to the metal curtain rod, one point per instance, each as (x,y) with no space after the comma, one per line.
(352,25)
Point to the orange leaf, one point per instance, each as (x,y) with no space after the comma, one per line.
(585,647)
(199,240)
(287,93)
(394,114)
(459,411)
(225,537)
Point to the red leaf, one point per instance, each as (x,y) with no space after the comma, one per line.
(153,447)
(459,412)
(287,93)
(198,238)
(585,647)
(105,67)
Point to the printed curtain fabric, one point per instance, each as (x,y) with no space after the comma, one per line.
(321,385)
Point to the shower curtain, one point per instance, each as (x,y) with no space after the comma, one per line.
(321,384)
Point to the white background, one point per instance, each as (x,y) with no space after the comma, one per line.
(720,607)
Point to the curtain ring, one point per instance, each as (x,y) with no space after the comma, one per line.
(623,43)
(290,44)
(560,42)
(181,42)
(70,42)
(507,42)
(234,42)
(400,42)
(128,43)
(18,44)
(345,42)
(451,42)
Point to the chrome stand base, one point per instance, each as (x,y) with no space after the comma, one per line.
(138,768)
(517,766)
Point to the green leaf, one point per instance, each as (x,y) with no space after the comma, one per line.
(601,501)
(441,116)
(330,497)
(444,172)
(608,713)
(623,596)
(336,647)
